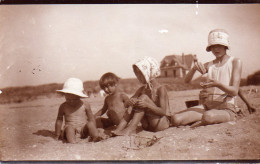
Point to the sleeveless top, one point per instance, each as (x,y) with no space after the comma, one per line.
(222,74)
(76,119)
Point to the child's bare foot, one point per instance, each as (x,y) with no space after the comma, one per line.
(196,124)
(114,133)
(101,135)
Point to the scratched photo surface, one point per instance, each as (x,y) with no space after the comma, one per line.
(41,46)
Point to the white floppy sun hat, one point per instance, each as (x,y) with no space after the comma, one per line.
(218,36)
(73,86)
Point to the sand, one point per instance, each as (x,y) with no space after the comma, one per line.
(26,133)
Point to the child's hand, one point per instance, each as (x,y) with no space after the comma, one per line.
(211,83)
(142,103)
(203,94)
(195,58)
(133,101)
(200,67)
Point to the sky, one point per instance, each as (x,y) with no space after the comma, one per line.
(41,44)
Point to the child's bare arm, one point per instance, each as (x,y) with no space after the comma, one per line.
(163,100)
(192,71)
(125,100)
(138,92)
(102,110)
(59,122)
(133,99)
(250,108)
(93,131)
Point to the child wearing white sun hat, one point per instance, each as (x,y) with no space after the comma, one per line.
(220,90)
(73,86)
(79,119)
(218,36)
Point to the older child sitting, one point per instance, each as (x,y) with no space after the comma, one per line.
(150,102)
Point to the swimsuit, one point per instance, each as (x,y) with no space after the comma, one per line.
(217,98)
(77,120)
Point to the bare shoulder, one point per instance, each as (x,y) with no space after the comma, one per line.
(86,104)
(162,89)
(63,106)
(237,62)
(107,98)
(122,94)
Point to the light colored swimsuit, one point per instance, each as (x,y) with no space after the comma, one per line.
(77,120)
(222,74)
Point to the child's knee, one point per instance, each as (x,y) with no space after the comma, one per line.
(143,97)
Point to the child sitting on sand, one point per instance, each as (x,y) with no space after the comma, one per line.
(219,92)
(201,68)
(115,104)
(150,102)
(77,113)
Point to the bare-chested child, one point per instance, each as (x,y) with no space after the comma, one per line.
(115,104)
(79,120)
(150,102)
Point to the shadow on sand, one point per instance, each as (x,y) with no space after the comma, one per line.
(45,133)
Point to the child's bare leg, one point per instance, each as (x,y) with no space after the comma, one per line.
(162,124)
(215,116)
(70,134)
(124,121)
(93,132)
(145,123)
(103,123)
(120,127)
(185,118)
(131,129)
(99,123)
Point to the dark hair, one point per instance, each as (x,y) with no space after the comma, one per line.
(108,79)
(217,44)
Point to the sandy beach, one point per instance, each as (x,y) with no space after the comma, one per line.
(27,134)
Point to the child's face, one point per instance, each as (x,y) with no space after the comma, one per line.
(72,99)
(139,75)
(110,89)
(218,50)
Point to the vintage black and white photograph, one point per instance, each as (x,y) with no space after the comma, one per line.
(129,82)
